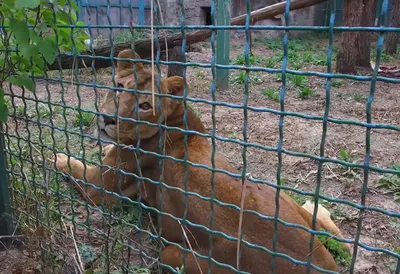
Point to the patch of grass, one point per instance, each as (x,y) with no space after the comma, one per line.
(391,182)
(305,93)
(199,74)
(234,135)
(270,63)
(43,111)
(345,155)
(240,77)
(359,97)
(336,248)
(272,94)
(337,83)
(298,198)
(241,60)
(127,35)
(83,119)
(350,173)
(299,81)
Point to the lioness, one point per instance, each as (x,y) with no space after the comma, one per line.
(293,242)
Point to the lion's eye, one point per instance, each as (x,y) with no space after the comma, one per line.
(145,106)
(120,85)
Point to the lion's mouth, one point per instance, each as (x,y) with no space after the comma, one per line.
(102,137)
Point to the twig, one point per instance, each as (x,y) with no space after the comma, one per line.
(322,243)
(152,54)
(165,31)
(80,264)
(240,224)
(6,237)
(190,246)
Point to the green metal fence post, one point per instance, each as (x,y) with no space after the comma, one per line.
(5,194)
(223,45)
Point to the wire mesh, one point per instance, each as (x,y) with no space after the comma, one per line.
(68,233)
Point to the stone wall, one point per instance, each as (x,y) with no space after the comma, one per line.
(195,14)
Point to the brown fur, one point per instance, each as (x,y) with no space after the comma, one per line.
(261,198)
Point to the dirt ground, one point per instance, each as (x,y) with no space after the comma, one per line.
(49,231)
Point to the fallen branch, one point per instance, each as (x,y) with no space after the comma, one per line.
(143,47)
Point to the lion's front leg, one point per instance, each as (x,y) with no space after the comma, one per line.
(82,176)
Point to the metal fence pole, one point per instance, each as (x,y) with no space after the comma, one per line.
(5,193)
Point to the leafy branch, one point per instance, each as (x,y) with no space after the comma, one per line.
(32,34)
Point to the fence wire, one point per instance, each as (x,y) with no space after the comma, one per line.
(73,233)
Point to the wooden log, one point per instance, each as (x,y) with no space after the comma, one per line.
(143,48)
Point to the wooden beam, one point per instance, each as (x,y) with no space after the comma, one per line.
(223,43)
(142,47)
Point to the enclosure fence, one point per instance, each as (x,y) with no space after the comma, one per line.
(56,116)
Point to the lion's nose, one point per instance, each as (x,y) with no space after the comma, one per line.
(108,120)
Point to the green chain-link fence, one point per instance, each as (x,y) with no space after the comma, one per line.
(286,120)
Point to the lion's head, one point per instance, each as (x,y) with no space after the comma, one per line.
(135,105)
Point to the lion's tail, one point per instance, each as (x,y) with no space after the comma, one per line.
(326,223)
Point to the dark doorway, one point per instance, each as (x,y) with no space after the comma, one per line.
(206,15)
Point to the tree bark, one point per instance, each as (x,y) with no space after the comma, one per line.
(143,48)
(175,54)
(368,20)
(355,47)
(393,38)
(346,58)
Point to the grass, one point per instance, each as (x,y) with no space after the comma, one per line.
(359,97)
(271,93)
(337,83)
(127,35)
(83,119)
(391,182)
(239,78)
(305,92)
(336,248)
(241,60)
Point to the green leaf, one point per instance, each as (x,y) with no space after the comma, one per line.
(20,30)
(3,107)
(22,80)
(48,50)
(73,5)
(30,4)
(38,61)
(28,50)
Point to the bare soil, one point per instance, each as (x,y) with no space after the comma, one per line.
(302,136)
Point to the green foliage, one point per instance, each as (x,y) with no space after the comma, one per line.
(32,37)
(128,35)
(240,77)
(345,155)
(272,94)
(241,60)
(3,107)
(337,83)
(391,182)
(83,119)
(336,248)
(305,92)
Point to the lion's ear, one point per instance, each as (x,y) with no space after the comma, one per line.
(128,65)
(175,85)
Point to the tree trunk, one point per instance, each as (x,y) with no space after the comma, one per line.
(175,54)
(393,38)
(368,20)
(346,58)
(355,47)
